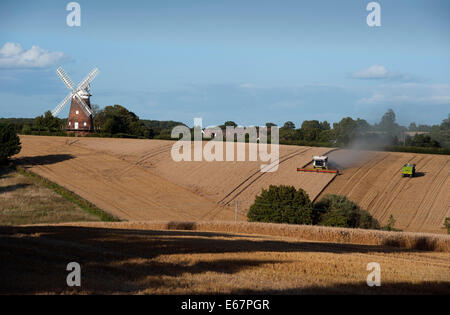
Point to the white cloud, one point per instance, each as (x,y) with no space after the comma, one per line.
(373,72)
(12,55)
(10,49)
(409,93)
(379,72)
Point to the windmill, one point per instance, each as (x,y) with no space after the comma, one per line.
(80,114)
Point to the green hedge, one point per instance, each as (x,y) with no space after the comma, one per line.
(425,150)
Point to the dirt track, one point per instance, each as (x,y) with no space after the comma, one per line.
(138,180)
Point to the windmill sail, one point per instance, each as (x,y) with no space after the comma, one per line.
(88,79)
(65,78)
(61,105)
(84,106)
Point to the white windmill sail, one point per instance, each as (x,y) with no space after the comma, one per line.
(65,78)
(61,105)
(84,106)
(88,79)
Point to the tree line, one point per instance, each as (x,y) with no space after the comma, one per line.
(386,134)
(360,134)
(118,121)
(110,121)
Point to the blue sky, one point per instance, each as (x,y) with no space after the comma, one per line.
(247,61)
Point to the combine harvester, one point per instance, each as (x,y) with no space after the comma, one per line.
(320,165)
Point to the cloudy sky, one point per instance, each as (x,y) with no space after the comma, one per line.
(251,61)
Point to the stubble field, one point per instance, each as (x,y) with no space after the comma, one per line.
(134,259)
(138,180)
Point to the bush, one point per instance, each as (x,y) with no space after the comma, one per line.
(10,142)
(281,204)
(338,211)
(390,225)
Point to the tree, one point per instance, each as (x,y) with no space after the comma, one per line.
(388,120)
(39,122)
(95,108)
(336,210)
(311,130)
(289,125)
(10,142)
(441,133)
(26,129)
(348,129)
(281,204)
(48,121)
(326,135)
(289,134)
(445,125)
(325,125)
(230,123)
(412,127)
(423,140)
(119,120)
(388,124)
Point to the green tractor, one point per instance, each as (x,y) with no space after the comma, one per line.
(409,170)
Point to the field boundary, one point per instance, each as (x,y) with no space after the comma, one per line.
(85,205)
(401,240)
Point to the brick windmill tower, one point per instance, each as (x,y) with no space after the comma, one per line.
(80,114)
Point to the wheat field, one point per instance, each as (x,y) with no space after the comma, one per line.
(129,258)
(136,179)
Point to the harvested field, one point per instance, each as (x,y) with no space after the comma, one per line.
(138,180)
(403,240)
(149,261)
(418,204)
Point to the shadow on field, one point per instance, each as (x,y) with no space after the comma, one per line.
(33,259)
(4,171)
(10,188)
(441,287)
(43,159)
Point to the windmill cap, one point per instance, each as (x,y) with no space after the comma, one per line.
(83,93)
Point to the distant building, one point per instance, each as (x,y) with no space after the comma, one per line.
(413,133)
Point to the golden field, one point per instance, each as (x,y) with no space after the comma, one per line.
(178,236)
(133,259)
(137,179)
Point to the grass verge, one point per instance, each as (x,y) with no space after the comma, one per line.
(68,195)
